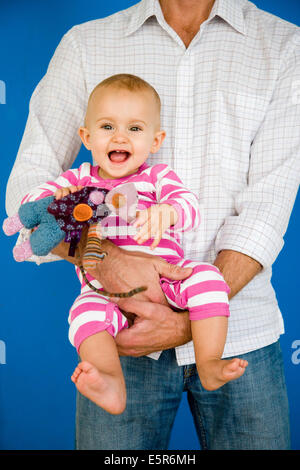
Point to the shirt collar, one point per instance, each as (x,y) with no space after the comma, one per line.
(230,11)
(143,10)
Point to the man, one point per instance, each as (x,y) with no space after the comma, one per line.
(226,73)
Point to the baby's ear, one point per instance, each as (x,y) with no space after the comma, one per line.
(158,140)
(84,134)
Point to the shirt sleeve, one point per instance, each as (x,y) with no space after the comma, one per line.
(170,190)
(50,142)
(264,206)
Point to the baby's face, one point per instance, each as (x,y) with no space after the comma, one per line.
(122,128)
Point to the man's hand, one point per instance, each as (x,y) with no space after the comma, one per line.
(62,249)
(155,328)
(154,325)
(122,271)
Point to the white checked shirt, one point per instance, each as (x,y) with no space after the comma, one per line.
(231,110)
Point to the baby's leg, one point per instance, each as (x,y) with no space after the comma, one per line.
(209,336)
(99,376)
(205,295)
(94,321)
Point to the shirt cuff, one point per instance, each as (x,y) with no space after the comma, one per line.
(257,239)
(180,212)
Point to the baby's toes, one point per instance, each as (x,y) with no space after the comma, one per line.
(243,363)
(85,366)
(76,373)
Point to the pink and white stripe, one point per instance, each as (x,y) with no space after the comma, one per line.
(155,184)
(90,314)
(204,293)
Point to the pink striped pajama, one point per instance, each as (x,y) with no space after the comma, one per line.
(204,293)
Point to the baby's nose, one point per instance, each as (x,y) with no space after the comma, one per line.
(119,137)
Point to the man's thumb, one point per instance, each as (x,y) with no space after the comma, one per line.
(172,271)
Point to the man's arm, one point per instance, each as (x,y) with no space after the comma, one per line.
(50,142)
(263,206)
(237,269)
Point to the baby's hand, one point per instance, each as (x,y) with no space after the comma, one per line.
(62,192)
(154,222)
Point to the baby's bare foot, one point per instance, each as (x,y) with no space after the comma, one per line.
(106,391)
(216,372)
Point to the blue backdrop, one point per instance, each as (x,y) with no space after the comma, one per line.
(37,398)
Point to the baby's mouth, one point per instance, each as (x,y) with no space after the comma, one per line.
(118,156)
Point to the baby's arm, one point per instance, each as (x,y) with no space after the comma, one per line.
(69,179)
(177,207)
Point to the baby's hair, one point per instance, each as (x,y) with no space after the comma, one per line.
(129,82)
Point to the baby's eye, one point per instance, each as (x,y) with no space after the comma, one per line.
(106,126)
(135,128)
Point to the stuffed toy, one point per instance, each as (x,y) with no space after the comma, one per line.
(54,220)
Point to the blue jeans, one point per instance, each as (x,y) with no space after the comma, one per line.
(248,413)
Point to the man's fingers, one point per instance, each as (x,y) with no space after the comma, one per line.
(125,341)
(172,271)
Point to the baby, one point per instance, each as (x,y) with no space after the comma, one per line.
(121,128)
